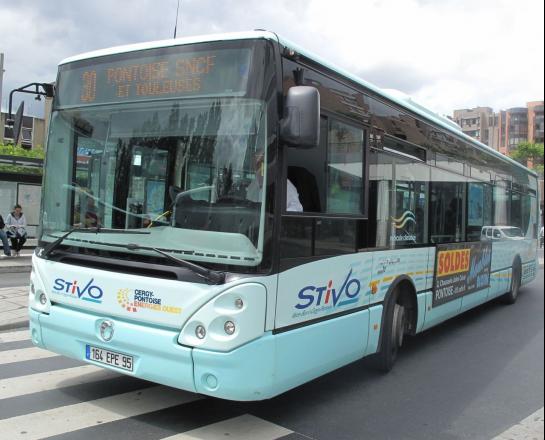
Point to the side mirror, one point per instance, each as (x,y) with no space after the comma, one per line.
(300,126)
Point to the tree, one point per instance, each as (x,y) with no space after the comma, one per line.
(529,152)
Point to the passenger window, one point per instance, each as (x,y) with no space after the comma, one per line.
(344,169)
(409,222)
(381,178)
(447,206)
(479,209)
(502,206)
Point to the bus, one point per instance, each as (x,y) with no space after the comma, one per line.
(233,216)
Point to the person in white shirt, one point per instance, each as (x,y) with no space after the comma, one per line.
(16,229)
(254,190)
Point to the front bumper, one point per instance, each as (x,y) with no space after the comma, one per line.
(157,355)
(260,369)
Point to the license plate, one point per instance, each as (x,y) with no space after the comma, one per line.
(108,357)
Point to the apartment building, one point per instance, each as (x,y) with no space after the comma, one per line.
(536,124)
(475,122)
(505,129)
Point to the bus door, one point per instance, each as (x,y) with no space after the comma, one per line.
(147,185)
(142,174)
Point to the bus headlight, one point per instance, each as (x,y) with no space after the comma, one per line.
(38,299)
(229,327)
(200,332)
(229,320)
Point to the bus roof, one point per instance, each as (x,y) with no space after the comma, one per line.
(403,101)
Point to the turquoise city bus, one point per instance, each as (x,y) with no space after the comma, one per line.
(233,216)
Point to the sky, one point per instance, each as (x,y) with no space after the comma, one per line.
(445,54)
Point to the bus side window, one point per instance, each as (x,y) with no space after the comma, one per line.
(344,169)
(306,172)
(447,206)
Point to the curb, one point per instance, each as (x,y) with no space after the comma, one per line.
(16,269)
(22,264)
(14,324)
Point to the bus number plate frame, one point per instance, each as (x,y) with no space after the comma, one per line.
(110,358)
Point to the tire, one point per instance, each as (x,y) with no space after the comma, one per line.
(511,296)
(393,333)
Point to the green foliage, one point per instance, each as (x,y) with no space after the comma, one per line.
(18,152)
(19,169)
(14,150)
(529,151)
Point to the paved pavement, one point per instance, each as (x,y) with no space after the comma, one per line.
(19,264)
(22,263)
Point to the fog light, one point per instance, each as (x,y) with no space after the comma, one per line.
(200,332)
(229,327)
(43,299)
(239,303)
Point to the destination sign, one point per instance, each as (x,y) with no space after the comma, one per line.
(184,74)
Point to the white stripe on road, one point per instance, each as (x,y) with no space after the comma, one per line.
(21,335)
(24,354)
(50,380)
(95,412)
(531,428)
(245,427)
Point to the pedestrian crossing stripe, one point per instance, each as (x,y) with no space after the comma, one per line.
(24,354)
(51,380)
(95,412)
(245,427)
(21,335)
(66,419)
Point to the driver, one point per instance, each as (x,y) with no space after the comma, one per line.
(254,190)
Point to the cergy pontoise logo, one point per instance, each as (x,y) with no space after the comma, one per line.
(328,295)
(133,300)
(74,289)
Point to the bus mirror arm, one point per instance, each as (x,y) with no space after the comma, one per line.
(300,126)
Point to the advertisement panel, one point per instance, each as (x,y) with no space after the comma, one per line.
(461,269)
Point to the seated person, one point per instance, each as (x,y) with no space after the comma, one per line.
(254,190)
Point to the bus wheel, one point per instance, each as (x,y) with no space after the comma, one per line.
(392,339)
(511,296)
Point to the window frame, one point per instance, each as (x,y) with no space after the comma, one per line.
(364,215)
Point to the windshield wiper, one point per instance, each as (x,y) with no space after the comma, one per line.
(213,276)
(53,245)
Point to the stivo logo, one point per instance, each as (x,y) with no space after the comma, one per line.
(328,295)
(88,292)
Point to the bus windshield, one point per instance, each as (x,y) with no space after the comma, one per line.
(188,174)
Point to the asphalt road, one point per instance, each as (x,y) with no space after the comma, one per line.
(14,279)
(473,377)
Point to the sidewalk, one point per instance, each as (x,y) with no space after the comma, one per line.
(22,263)
(17,264)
